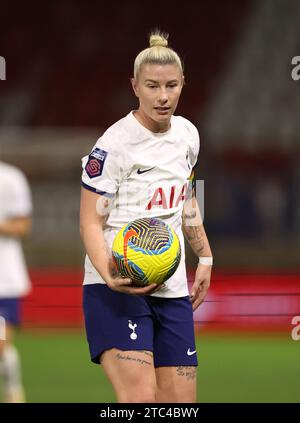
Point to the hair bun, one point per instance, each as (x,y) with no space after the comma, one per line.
(158,40)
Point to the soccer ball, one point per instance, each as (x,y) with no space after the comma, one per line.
(147,251)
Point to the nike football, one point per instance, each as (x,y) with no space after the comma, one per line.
(146,250)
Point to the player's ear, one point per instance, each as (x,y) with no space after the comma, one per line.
(135,86)
(182,81)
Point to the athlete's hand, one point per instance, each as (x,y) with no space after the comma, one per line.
(201,285)
(117,283)
(125,285)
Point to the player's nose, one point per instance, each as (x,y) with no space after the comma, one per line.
(163,96)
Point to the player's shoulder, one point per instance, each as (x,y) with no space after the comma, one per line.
(10,172)
(13,179)
(189,131)
(186,125)
(117,134)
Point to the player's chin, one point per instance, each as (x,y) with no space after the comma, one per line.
(163,116)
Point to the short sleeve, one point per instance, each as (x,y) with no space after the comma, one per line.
(102,168)
(19,203)
(194,146)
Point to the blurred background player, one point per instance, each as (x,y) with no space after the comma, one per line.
(15,223)
(145,161)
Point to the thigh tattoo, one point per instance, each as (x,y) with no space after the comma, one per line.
(188,372)
(141,357)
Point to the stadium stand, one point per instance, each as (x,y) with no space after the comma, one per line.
(66,82)
(67,69)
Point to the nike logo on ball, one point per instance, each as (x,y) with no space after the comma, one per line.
(139,171)
(191,352)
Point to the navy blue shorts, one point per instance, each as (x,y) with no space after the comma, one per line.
(10,310)
(162,325)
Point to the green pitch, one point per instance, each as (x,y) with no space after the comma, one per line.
(56,368)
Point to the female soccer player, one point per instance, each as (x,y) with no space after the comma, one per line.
(15,223)
(140,167)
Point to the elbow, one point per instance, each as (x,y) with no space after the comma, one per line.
(24,228)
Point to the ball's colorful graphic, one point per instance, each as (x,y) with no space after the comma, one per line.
(146,250)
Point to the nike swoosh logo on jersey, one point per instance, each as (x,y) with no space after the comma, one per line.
(191,352)
(139,171)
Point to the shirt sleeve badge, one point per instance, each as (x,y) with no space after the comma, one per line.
(95,163)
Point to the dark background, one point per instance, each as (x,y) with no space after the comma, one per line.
(68,66)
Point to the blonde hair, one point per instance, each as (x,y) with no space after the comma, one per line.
(157,53)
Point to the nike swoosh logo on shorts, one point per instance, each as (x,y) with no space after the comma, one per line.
(139,171)
(191,352)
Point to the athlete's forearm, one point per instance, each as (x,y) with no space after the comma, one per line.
(92,218)
(193,229)
(198,241)
(95,246)
(16,228)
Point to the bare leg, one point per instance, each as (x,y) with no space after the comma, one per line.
(131,374)
(176,384)
(10,369)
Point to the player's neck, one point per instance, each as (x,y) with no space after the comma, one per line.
(151,124)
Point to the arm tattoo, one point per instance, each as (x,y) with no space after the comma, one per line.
(195,238)
(192,225)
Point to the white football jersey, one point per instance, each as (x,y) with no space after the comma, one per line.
(147,174)
(15,201)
